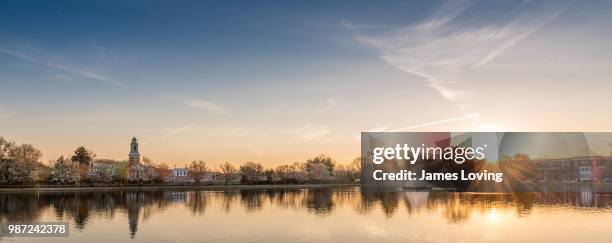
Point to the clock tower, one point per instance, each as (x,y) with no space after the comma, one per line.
(134,155)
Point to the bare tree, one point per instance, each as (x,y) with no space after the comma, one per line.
(23,163)
(284,172)
(7,146)
(356,168)
(228,171)
(6,162)
(197,171)
(26,153)
(299,171)
(343,173)
(251,171)
(271,176)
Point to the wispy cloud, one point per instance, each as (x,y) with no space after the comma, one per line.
(441,49)
(431,123)
(482,126)
(309,132)
(206,105)
(47,62)
(102,114)
(199,104)
(331,103)
(171,133)
(376,129)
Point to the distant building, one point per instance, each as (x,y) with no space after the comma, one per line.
(101,169)
(179,175)
(588,168)
(136,171)
(134,156)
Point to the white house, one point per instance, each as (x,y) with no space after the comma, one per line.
(178,175)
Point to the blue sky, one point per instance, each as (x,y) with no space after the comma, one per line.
(287,80)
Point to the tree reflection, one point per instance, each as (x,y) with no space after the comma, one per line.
(137,205)
(319,201)
(388,201)
(229,197)
(197,201)
(251,199)
(22,207)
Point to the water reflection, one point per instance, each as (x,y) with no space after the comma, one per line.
(80,207)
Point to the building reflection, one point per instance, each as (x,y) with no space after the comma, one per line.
(137,206)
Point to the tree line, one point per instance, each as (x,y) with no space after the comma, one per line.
(20,165)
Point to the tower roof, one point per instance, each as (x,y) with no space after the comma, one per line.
(134,140)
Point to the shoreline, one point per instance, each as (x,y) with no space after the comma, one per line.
(230,187)
(188,187)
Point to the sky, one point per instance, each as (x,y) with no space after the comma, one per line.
(281,81)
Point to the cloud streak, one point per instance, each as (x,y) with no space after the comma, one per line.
(199,104)
(171,133)
(59,66)
(331,103)
(206,105)
(441,49)
(310,132)
(427,124)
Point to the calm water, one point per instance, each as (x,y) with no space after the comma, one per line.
(306,215)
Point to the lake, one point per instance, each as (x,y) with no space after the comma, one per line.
(347,214)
